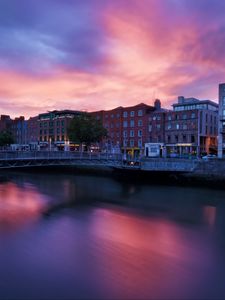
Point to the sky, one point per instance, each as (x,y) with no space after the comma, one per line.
(99,54)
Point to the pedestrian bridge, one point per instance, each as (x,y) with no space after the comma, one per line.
(21,159)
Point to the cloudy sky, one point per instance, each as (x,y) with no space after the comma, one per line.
(99,54)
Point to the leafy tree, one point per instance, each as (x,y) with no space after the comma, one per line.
(86,129)
(6,138)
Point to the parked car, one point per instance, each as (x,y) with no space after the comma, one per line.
(209,156)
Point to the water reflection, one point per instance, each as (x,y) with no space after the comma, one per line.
(18,205)
(100,238)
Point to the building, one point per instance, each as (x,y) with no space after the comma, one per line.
(18,128)
(33,133)
(221,133)
(5,122)
(190,128)
(127,127)
(53,129)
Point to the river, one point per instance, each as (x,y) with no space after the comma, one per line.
(67,236)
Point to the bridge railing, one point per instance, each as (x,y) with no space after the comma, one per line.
(10,155)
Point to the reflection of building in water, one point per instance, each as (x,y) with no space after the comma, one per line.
(209,214)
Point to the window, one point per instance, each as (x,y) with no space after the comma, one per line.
(168,138)
(223,100)
(158,118)
(124,123)
(131,123)
(118,115)
(140,113)
(176,138)
(132,113)
(169,126)
(150,128)
(177,126)
(131,133)
(193,139)
(193,115)
(184,126)
(140,143)
(125,114)
(223,112)
(139,123)
(131,143)
(111,125)
(184,116)
(62,123)
(169,117)
(112,116)
(124,133)
(158,126)
(125,143)
(176,117)
(139,132)
(184,138)
(154,118)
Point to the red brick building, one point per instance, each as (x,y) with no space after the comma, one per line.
(128,127)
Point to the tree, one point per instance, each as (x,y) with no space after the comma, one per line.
(6,138)
(84,128)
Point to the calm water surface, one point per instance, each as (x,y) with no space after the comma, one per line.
(85,237)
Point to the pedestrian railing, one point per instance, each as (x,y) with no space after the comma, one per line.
(16,155)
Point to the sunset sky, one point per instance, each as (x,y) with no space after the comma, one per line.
(99,54)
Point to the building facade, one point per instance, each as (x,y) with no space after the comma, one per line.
(53,129)
(5,123)
(32,133)
(18,128)
(127,127)
(221,133)
(190,128)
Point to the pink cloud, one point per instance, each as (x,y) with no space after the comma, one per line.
(151,51)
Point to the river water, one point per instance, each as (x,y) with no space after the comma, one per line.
(65,236)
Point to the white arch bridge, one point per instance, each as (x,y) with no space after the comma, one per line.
(23,159)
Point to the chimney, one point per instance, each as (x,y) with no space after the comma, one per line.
(157,104)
